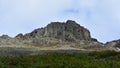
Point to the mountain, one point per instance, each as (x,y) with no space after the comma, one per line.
(61,35)
(113,45)
(68,31)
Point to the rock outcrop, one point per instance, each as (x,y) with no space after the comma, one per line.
(4,37)
(113,45)
(58,34)
(69,31)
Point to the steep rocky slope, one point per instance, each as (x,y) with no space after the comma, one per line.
(58,34)
(113,45)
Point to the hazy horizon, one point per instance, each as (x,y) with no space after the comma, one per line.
(101,17)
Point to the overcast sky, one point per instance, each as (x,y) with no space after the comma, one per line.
(101,17)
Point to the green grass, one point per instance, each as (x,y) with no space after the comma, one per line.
(106,59)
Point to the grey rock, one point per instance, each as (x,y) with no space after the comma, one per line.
(66,31)
(113,44)
(93,39)
(19,36)
(55,29)
(69,31)
(5,37)
(56,33)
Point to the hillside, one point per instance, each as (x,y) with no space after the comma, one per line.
(67,35)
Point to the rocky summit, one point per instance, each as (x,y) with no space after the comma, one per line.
(57,35)
(68,31)
(113,45)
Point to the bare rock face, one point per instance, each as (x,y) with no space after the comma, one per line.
(77,31)
(56,33)
(19,36)
(115,45)
(68,31)
(61,33)
(5,37)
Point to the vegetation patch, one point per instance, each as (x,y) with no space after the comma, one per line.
(106,59)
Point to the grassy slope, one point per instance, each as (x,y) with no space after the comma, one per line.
(106,59)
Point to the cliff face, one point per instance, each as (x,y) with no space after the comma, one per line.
(68,31)
(57,33)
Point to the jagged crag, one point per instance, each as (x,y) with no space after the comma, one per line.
(59,34)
